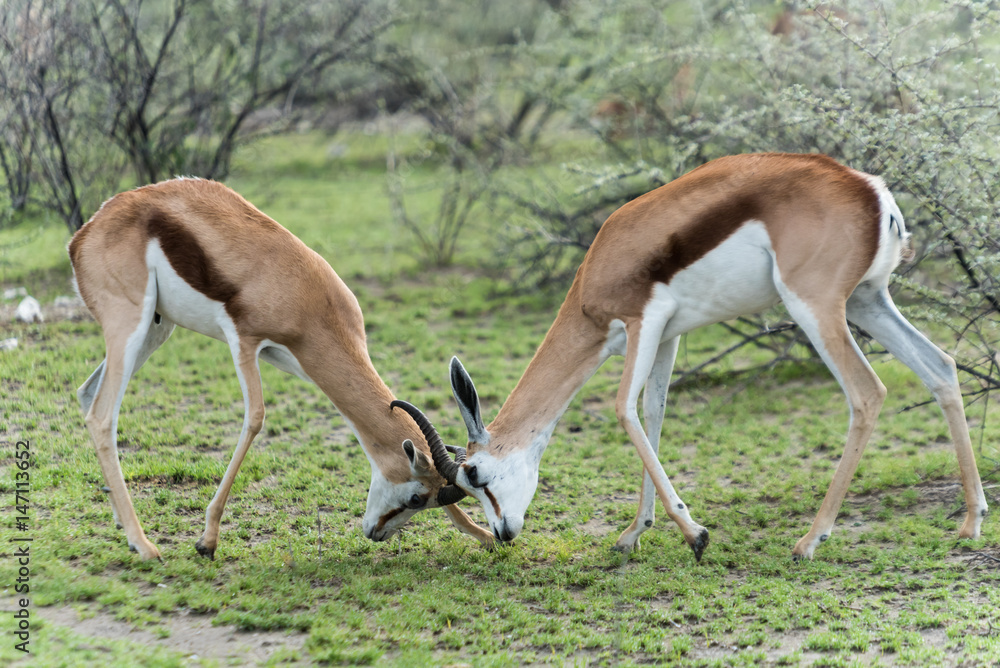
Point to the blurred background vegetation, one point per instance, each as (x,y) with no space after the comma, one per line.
(537,118)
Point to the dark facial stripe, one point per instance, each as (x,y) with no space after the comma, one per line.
(493,500)
(191,263)
(385,518)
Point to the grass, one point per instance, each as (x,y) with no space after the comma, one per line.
(751,455)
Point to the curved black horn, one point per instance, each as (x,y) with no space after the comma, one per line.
(459,453)
(450,494)
(444,464)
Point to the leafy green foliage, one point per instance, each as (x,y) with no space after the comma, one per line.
(908,92)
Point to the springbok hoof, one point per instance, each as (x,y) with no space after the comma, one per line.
(204,550)
(699,545)
(626,547)
(145,550)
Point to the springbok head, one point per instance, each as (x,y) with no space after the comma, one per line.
(501,472)
(426,484)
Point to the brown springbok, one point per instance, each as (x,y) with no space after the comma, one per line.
(734,236)
(194,253)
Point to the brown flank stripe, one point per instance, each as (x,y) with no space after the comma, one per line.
(191,263)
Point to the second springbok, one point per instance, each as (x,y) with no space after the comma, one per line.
(194,253)
(732,237)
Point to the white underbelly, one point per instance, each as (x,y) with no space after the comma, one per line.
(736,278)
(178,302)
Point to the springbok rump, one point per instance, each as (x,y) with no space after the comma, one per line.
(732,237)
(194,253)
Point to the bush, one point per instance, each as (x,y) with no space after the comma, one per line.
(92,90)
(908,91)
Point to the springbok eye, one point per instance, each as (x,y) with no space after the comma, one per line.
(416,501)
(472,473)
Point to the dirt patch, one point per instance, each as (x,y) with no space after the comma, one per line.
(986,559)
(599,527)
(191,635)
(781,646)
(932,495)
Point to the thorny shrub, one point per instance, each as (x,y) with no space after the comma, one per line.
(908,90)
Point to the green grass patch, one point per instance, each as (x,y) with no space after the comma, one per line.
(751,454)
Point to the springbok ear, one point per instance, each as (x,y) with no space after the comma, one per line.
(468,402)
(419,464)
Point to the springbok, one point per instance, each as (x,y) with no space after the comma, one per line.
(732,237)
(193,253)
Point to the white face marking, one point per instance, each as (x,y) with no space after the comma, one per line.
(391,505)
(387,509)
(504,487)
